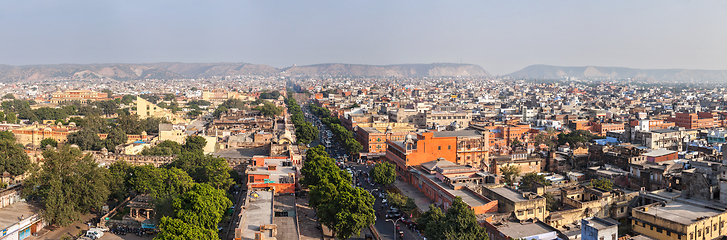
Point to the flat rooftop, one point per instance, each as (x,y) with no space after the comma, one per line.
(286,224)
(259,212)
(599,223)
(11,214)
(681,213)
(658,153)
(511,194)
(242,152)
(467,197)
(462,133)
(523,230)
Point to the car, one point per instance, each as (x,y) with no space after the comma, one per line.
(384,200)
(393,215)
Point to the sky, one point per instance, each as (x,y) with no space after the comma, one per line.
(500,36)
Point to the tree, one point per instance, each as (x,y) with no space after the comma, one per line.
(108,92)
(202,206)
(604,184)
(169,97)
(542,138)
(306,132)
(576,136)
(219,111)
(194,143)
(48,141)
(13,158)
(383,173)
(130,124)
(204,168)
(85,139)
(194,113)
(509,173)
(268,109)
(7,135)
(459,222)
(9,96)
(550,203)
(348,212)
(166,148)
(176,229)
(322,193)
(118,178)
(401,201)
(528,181)
(116,137)
(515,142)
(69,184)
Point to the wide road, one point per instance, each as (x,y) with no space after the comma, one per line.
(385,228)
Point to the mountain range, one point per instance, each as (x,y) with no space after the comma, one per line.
(197,70)
(593,72)
(122,71)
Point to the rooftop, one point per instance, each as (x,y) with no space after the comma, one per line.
(11,214)
(523,230)
(664,130)
(258,212)
(599,223)
(462,133)
(658,153)
(510,194)
(242,152)
(681,213)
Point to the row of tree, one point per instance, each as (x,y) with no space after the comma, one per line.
(305,132)
(334,124)
(91,126)
(341,207)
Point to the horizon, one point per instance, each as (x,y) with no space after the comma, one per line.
(501,37)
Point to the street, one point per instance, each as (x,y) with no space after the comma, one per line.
(335,150)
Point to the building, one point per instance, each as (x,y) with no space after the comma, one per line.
(432,119)
(146,109)
(679,219)
(19,219)
(524,205)
(533,229)
(172,132)
(698,120)
(598,229)
(373,138)
(468,147)
(83,96)
(35,133)
(673,139)
(661,155)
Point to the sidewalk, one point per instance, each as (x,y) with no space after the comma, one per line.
(421,200)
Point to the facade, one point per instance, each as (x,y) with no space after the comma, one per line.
(598,229)
(373,136)
(679,221)
(146,109)
(672,139)
(525,205)
(698,120)
(20,220)
(35,133)
(442,181)
(172,132)
(661,155)
(83,96)
(431,119)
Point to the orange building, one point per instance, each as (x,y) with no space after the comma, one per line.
(467,147)
(374,140)
(693,120)
(501,136)
(654,124)
(602,128)
(275,173)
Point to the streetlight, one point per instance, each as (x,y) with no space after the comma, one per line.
(394,222)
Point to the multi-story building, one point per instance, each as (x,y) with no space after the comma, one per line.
(679,220)
(431,119)
(598,229)
(35,133)
(524,205)
(466,147)
(172,132)
(83,96)
(374,140)
(146,109)
(694,120)
(673,139)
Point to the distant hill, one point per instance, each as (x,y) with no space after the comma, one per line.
(402,70)
(593,72)
(196,70)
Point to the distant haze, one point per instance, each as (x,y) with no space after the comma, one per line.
(501,36)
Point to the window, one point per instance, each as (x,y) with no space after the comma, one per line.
(658,230)
(601,238)
(613,236)
(706,230)
(668,233)
(439,148)
(252,179)
(520,213)
(540,210)
(281,214)
(449,147)
(530,211)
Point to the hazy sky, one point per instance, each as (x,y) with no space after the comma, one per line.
(500,36)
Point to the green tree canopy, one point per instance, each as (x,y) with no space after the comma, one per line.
(7,135)
(401,201)
(69,184)
(13,158)
(459,222)
(165,148)
(204,168)
(383,173)
(348,212)
(509,173)
(48,141)
(194,143)
(528,180)
(203,205)
(604,184)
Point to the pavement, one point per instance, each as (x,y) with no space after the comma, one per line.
(56,233)
(421,200)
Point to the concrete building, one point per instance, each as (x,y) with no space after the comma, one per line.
(598,229)
(679,220)
(524,205)
(672,139)
(20,220)
(172,132)
(521,230)
(698,120)
(431,119)
(146,109)
(83,96)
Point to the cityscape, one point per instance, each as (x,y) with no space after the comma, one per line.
(203,137)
